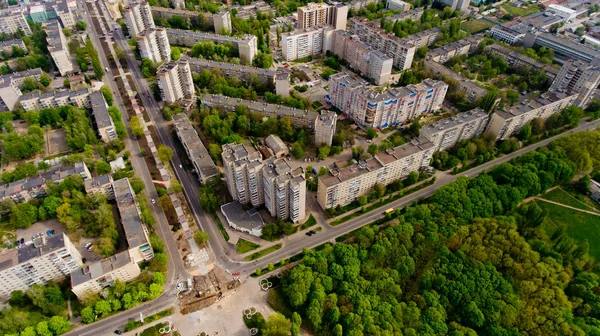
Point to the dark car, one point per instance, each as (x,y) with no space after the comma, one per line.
(22,240)
(52,231)
(309,233)
(312,232)
(118,332)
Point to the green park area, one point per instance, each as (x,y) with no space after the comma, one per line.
(243,246)
(520,11)
(475,26)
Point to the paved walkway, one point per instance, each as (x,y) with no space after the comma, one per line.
(568,206)
(146,326)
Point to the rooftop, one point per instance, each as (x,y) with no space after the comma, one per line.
(458,119)
(227,67)
(53,36)
(201,36)
(281,170)
(280,110)
(275,143)
(97,181)
(198,153)
(326,118)
(130,217)
(528,105)
(235,214)
(100,110)
(100,268)
(40,247)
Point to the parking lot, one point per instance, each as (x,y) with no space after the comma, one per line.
(40,228)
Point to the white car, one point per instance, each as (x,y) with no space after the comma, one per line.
(153,201)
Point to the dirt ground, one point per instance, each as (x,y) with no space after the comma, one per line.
(56,142)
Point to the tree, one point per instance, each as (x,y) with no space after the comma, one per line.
(88,315)
(373,149)
(45,80)
(102,307)
(201,237)
(165,202)
(371,133)
(107,93)
(67,83)
(136,127)
(23,215)
(296,323)
(148,68)
(263,60)
(165,153)
(175,53)
(58,325)
(80,25)
(29,84)
(18,299)
(411,179)
(208,199)
(277,325)
(323,152)
(525,133)
(297,150)
(488,101)
(102,167)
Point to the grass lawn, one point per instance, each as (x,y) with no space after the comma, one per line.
(310,222)
(263,252)
(244,246)
(561,196)
(520,11)
(580,225)
(475,26)
(276,300)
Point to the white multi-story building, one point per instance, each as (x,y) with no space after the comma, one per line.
(103,120)
(397,5)
(154,45)
(284,190)
(63,11)
(318,14)
(175,80)
(325,128)
(12,20)
(343,185)
(57,47)
(503,124)
(506,34)
(306,42)
(10,87)
(577,76)
(448,132)
(39,262)
(243,169)
(138,17)
(370,108)
(195,149)
(459,5)
(37,100)
(451,50)
(222,22)
(562,11)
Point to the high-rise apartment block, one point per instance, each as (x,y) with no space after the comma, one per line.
(175,80)
(57,47)
(578,76)
(222,22)
(302,43)
(325,128)
(318,14)
(46,259)
(459,5)
(13,20)
(243,174)
(343,185)
(503,124)
(284,190)
(153,44)
(370,108)
(138,17)
(370,63)
(448,132)
(246,45)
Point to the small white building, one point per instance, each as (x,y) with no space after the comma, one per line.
(242,220)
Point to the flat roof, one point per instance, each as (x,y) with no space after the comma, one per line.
(40,247)
(130,217)
(237,216)
(100,110)
(196,149)
(100,268)
(281,110)
(528,105)
(460,118)
(97,181)
(230,67)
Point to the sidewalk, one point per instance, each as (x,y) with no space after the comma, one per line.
(146,326)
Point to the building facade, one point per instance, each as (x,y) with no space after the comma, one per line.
(446,133)
(10,87)
(243,167)
(506,34)
(100,184)
(246,45)
(195,149)
(175,80)
(284,190)
(138,17)
(471,90)
(317,14)
(577,76)
(325,128)
(518,60)
(13,20)
(222,22)
(37,100)
(451,50)
(459,5)
(306,42)
(57,47)
(154,45)
(398,5)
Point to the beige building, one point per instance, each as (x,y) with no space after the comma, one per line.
(277,145)
(243,167)
(306,42)
(103,120)
(154,45)
(451,50)
(100,184)
(504,124)
(242,72)
(459,5)
(343,185)
(37,100)
(98,275)
(138,17)
(10,87)
(7,46)
(397,5)
(11,20)
(325,128)
(57,47)
(471,90)
(43,260)
(448,132)
(175,80)
(518,60)
(578,76)
(65,14)
(195,149)
(284,190)
(282,83)
(318,14)
(222,22)
(247,45)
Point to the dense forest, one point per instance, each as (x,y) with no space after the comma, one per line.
(472,259)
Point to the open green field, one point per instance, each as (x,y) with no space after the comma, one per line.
(263,252)
(520,11)
(563,197)
(475,26)
(244,246)
(580,225)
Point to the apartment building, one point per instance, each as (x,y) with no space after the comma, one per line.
(282,82)
(242,72)
(7,46)
(471,90)
(37,100)
(370,108)
(459,5)
(506,34)
(57,47)
(195,149)
(413,14)
(451,50)
(167,13)
(577,76)
(325,128)
(300,118)
(446,133)
(306,42)
(243,174)
(563,47)
(518,60)
(402,51)
(398,5)
(222,22)
(100,184)
(45,259)
(138,17)
(361,57)
(12,20)
(10,87)
(175,80)
(103,120)
(247,45)
(177,4)
(319,14)
(64,13)
(154,44)
(250,10)
(343,185)
(136,234)
(284,190)
(424,38)
(98,275)
(503,124)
